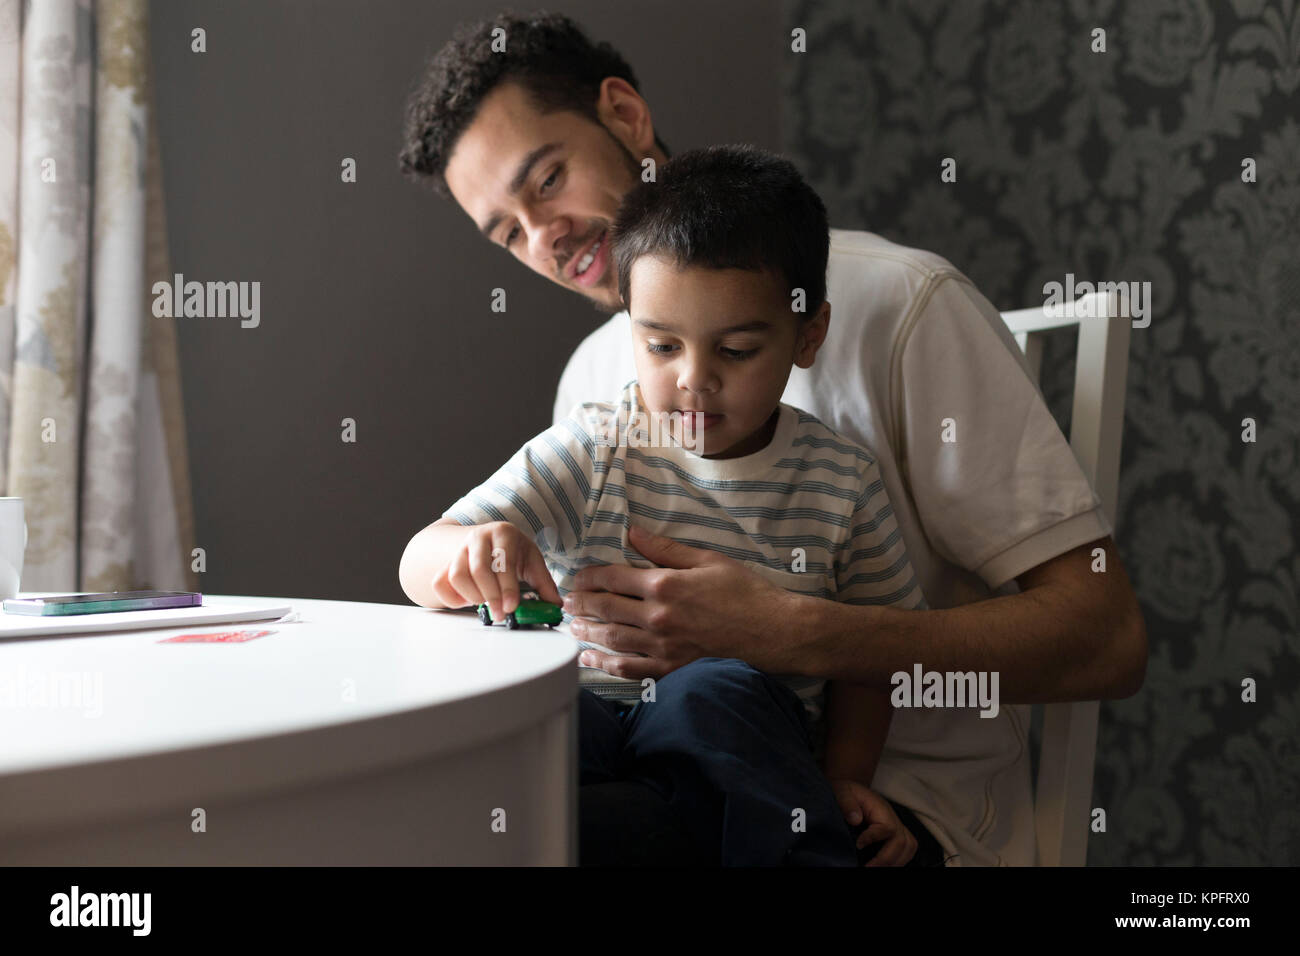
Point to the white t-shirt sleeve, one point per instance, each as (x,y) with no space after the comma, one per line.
(996,486)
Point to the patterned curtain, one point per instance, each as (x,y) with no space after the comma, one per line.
(91,429)
(1165,149)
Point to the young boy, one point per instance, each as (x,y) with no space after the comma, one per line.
(722,266)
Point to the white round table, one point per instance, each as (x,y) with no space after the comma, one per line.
(361,734)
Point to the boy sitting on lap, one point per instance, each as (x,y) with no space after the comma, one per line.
(722,265)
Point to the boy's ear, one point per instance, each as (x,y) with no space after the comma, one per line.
(812,335)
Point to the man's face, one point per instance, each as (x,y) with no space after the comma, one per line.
(545,187)
(718,341)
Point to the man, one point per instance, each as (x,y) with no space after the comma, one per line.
(537,140)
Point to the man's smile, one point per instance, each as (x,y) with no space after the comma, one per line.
(588,266)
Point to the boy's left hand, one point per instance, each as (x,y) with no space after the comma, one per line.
(860,803)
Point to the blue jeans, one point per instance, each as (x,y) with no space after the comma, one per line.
(730,750)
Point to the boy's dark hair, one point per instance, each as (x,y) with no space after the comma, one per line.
(546,53)
(727,207)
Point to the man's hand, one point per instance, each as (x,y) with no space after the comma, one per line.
(695,604)
(859,802)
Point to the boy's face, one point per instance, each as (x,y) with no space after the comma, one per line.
(546,186)
(718,341)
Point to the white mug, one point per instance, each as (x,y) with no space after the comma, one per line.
(13,544)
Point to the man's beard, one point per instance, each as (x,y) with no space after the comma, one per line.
(633,168)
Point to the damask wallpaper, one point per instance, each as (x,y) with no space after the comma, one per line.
(1141,141)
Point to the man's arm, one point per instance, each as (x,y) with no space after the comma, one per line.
(1071,634)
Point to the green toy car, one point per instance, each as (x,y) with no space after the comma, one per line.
(531,611)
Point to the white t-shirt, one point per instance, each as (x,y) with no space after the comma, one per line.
(912,344)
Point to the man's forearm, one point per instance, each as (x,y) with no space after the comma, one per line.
(1045,644)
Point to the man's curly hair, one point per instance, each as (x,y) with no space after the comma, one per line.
(546,53)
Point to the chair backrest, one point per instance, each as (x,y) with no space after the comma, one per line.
(1063,794)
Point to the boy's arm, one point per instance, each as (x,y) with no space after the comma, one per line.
(536,500)
(427,555)
(857,722)
(447,560)
(871,568)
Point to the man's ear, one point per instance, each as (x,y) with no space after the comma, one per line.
(812,335)
(625,114)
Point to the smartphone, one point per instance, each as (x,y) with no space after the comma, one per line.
(102,603)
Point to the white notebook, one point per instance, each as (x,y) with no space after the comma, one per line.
(23,625)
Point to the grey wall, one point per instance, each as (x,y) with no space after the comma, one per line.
(1122,166)
(375,295)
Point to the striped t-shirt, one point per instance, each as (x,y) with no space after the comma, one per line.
(809,512)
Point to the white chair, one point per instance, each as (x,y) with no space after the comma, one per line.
(1063,795)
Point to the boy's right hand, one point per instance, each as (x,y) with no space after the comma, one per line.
(488,568)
